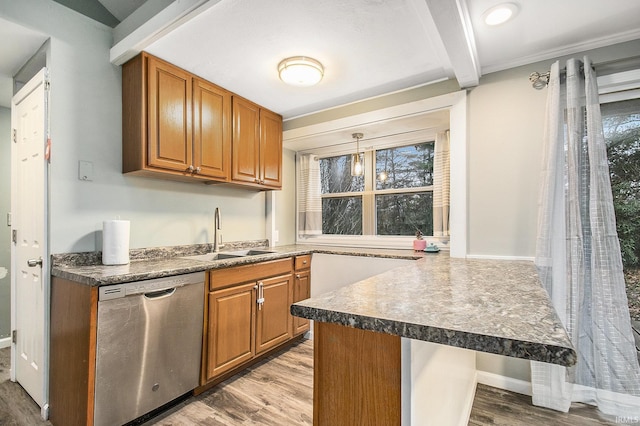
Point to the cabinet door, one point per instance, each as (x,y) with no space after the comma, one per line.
(169,116)
(301,291)
(230,330)
(271,149)
(245,149)
(273,322)
(211,130)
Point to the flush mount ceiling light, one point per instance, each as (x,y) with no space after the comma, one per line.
(300,71)
(500,14)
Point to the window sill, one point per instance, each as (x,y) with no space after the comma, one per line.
(371,241)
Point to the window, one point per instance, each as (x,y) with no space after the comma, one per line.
(393,197)
(621,123)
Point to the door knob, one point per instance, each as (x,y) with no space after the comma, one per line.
(34,262)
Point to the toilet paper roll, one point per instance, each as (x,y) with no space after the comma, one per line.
(115,242)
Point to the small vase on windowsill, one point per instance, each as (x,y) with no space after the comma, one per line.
(419,244)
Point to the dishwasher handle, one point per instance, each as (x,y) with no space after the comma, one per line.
(160,294)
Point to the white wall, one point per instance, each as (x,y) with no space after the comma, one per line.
(5,231)
(86,125)
(285,218)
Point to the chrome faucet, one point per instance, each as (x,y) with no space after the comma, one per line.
(217,231)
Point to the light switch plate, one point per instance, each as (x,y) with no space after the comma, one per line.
(85,170)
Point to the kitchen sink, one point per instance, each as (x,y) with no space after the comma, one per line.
(249,252)
(207,257)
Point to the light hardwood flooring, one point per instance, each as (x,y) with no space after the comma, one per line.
(279,391)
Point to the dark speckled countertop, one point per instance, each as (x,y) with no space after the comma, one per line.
(493,306)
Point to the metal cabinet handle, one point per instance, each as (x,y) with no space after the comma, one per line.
(297,275)
(198,169)
(34,262)
(191,168)
(260,299)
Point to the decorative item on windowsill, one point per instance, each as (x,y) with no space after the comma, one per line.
(419,243)
(432,248)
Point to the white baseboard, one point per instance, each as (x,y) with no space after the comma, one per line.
(5,343)
(505,383)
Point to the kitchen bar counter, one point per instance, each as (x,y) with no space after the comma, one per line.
(486,305)
(399,348)
(493,306)
(395,348)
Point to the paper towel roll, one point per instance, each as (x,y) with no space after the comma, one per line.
(115,242)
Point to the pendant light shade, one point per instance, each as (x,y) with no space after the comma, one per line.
(356,165)
(300,71)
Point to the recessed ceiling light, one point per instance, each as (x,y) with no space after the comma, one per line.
(500,14)
(300,71)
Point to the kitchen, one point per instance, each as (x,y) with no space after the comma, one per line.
(167,213)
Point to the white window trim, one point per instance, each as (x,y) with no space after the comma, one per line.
(456,103)
(619,86)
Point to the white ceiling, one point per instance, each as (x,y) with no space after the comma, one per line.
(368,47)
(371,47)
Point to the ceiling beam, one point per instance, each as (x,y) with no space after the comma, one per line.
(454,26)
(150,22)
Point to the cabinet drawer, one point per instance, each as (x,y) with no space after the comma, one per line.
(303,262)
(220,278)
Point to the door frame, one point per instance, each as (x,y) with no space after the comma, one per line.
(41,77)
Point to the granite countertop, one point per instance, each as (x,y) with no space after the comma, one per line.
(146,264)
(493,306)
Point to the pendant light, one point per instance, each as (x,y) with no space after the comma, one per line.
(356,165)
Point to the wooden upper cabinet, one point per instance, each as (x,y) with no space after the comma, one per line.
(169,116)
(271,148)
(245,152)
(256,145)
(211,130)
(177,125)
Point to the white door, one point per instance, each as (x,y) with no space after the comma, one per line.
(29,249)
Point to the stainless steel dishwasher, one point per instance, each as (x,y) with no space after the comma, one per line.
(149,345)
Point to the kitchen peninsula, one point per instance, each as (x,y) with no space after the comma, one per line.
(398,347)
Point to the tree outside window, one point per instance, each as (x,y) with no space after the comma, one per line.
(621,124)
(394,197)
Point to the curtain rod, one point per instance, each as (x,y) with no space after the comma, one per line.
(541,80)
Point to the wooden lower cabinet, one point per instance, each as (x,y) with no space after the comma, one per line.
(230,340)
(273,321)
(239,326)
(301,291)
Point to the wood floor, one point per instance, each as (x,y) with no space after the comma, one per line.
(279,391)
(16,406)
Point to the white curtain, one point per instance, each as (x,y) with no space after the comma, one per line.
(441,186)
(309,200)
(578,255)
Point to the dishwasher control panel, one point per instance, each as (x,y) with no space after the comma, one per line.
(140,287)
